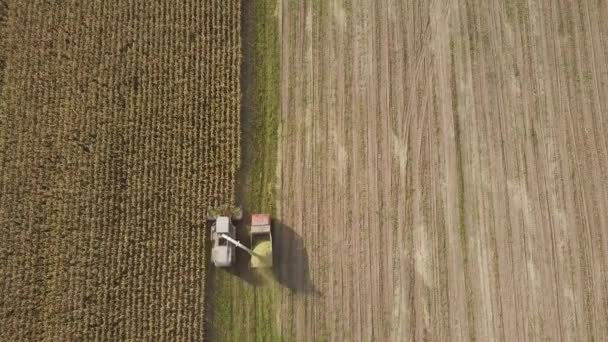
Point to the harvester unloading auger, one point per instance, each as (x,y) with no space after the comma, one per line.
(223,235)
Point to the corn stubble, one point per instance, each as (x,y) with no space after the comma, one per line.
(119,124)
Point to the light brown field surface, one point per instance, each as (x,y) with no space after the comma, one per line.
(119,125)
(445,164)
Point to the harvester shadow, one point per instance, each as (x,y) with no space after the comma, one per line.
(291,263)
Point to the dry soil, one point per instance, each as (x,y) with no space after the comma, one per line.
(444,163)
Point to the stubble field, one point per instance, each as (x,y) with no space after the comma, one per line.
(119,125)
(445,165)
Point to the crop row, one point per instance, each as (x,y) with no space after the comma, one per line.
(120,127)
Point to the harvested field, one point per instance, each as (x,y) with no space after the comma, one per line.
(444,163)
(119,125)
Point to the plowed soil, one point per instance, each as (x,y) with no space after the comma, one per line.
(444,163)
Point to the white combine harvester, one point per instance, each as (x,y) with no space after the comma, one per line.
(223,235)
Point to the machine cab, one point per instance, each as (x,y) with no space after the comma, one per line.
(222,253)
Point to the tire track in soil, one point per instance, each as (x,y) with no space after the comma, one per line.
(373,93)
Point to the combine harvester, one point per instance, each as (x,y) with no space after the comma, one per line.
(223,235)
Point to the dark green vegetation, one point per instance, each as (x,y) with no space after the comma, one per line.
(119,125)
(261,193)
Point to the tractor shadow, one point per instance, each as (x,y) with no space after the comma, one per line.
(290,259)
(291,262)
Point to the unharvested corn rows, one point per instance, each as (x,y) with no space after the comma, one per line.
(119,125)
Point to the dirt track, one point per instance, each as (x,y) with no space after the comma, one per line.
(445,166)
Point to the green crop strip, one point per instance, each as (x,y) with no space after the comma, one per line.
(242,311)
(266,87)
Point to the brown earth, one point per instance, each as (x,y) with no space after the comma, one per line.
(444,163)
(119,125)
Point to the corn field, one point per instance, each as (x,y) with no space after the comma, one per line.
(119,126)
